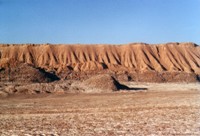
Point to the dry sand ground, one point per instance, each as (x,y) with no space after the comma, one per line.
(163,109)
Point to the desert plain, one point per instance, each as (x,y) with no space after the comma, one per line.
(156,111)
(135,89)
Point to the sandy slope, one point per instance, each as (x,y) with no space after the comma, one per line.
(132,57)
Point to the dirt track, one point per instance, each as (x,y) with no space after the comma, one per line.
(122,113)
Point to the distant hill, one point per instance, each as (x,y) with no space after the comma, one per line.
(133,58)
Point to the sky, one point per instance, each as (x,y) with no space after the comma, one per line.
(99,21)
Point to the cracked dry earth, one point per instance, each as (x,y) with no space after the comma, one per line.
(121,113)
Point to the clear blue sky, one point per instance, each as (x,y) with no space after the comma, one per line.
(99,21)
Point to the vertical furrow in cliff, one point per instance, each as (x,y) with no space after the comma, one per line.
(109,55)
(115,55)
(182,60)
(30,56)
(125,58)
(81,56)
(195,56)
(153,58)
(20,53)
(181,57)
(159,59)
(14,53)
(145,59)
(46,59)
(86,54)
(53,58)
(102,55)
(129,60)
(40,53)
(140,59)
(189,67)
(64,58)
(69,53)
(74,57)
(133,59)
(93,54)
(172,56)
(62,55)
(194,61)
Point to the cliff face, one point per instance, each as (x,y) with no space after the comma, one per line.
(138,58)
(135,57)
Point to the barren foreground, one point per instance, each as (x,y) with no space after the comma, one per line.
(156,111)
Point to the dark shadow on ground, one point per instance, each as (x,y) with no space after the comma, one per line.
(124,87)
(198,78)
